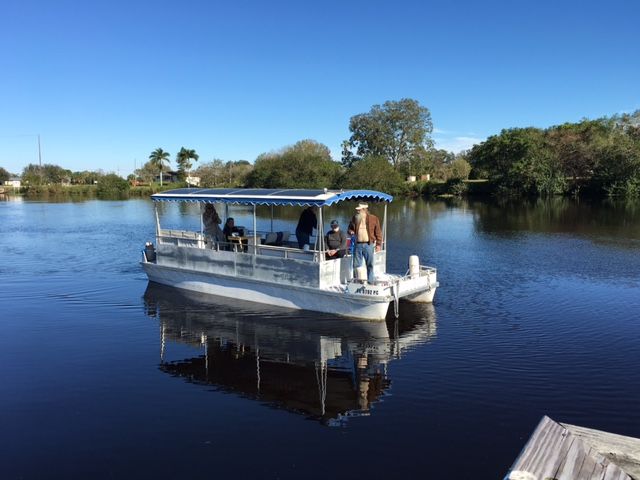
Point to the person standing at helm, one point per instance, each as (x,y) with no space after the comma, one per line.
(366,228)
(211,222)
(306,224)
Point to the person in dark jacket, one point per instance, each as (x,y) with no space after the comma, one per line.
(230,228)
(306,224)
(336,241)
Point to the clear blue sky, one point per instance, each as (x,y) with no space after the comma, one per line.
(106,82)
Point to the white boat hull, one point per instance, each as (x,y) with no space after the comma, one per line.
(301,298)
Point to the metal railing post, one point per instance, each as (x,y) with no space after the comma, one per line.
(255,233)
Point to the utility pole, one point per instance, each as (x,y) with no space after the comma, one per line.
(40,161)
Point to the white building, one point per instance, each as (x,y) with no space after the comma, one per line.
(193,181)
(13,182)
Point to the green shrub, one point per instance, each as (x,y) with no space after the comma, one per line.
(113,186)
(456,187)
(374,173)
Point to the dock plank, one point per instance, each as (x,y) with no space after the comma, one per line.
(589,468)
(572,463)
(613,472)
(555,452)
(544,451)
(621,450)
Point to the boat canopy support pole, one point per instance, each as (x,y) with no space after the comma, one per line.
(155,208)
(320,234)
(202,221)
(384,228)
(255,233)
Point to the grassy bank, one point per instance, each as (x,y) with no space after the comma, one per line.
(142,191)
(453,187)
(40,191)
(431,189)
(88,191)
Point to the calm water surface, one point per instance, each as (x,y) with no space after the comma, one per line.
(105,376)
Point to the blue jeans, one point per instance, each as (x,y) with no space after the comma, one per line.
(364,253)
(303,238)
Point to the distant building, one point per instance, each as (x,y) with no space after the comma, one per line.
(195,181)
(169,177)
(423,178)
(14,182)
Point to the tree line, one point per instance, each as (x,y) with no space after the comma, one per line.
(592,157)
(50,174)
(392,142)
(387,144)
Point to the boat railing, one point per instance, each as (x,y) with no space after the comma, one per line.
(423,271)
(287,252)
(182,238)
(186,238)
(290,239)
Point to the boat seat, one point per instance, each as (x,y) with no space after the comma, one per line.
(276,239)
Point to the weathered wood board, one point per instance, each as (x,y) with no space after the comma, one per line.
(566,452)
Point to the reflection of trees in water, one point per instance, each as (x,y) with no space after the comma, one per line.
(316,365)
(558,215)
(409,228)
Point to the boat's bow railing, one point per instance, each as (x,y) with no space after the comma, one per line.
(181,238)
(423,271)
(186,238)
(288,252)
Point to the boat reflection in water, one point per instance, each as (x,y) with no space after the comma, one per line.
(322,367)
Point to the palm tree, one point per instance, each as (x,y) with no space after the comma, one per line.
(159,159)
(183,159)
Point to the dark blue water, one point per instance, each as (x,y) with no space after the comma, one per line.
(103,376)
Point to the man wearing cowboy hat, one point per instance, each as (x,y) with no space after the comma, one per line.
(368,233)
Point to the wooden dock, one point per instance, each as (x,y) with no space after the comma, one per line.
(558,451)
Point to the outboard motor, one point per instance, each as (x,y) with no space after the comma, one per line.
(414,266)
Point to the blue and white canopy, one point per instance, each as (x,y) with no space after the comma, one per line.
(270,196)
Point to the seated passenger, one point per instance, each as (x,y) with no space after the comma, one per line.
(230,232)
(336,241)
(230,228)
